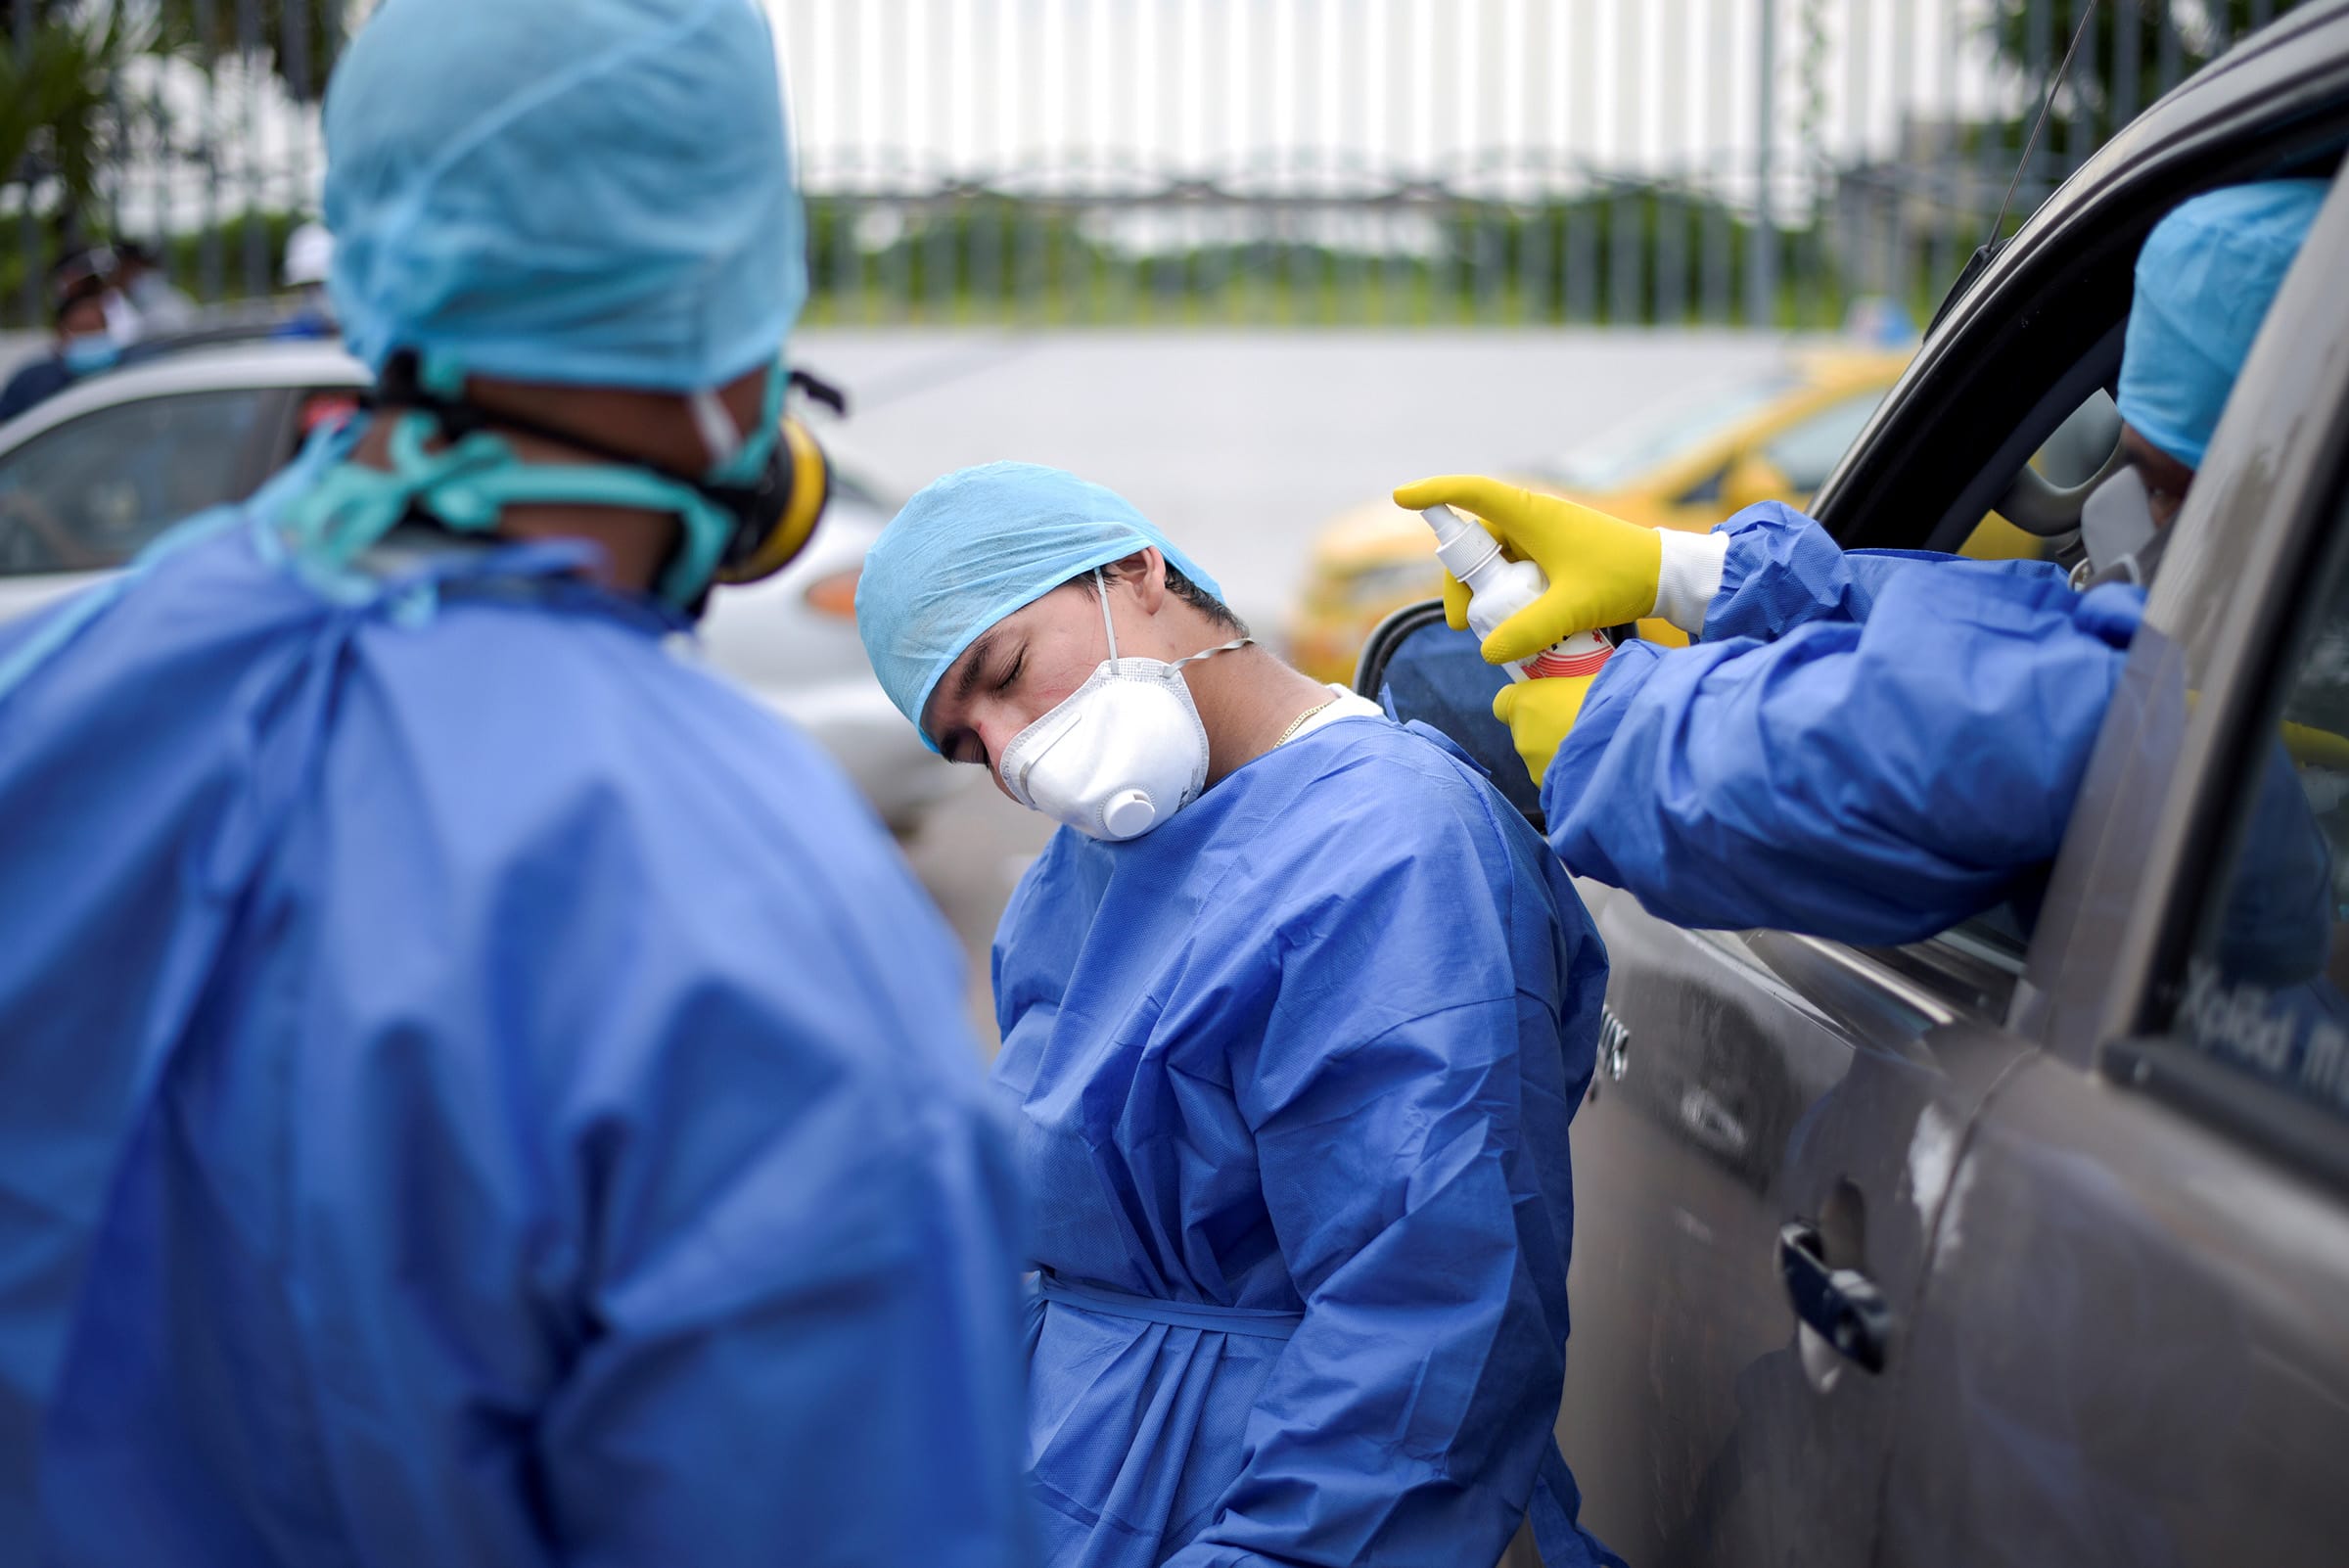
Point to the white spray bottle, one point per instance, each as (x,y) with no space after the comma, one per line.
(1499,588)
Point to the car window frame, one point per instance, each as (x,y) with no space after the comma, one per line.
(2266,1118)
(2071,266)
(1932,453)
(2129,893)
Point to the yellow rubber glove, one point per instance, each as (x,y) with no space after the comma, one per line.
(2307,745)
(1602,570)
(1539,713)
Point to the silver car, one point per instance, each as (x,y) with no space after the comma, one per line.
(93,474)
(2027,1244)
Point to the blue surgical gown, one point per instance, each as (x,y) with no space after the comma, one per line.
(1292,1077)
(1868,745)
(477,1090)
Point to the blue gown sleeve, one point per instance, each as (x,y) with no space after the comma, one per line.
(1870,781)
(1411,1136)
(1782,571)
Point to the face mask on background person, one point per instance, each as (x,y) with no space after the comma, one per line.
(1121,753)
(87,353)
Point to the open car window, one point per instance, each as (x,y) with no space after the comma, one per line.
(1421,671)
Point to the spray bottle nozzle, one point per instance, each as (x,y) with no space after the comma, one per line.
(1462,545)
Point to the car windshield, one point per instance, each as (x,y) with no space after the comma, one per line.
(1621,453)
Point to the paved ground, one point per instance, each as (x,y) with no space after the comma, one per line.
(1239,445)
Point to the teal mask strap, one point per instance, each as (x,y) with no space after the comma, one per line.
(747,462)
(468,483)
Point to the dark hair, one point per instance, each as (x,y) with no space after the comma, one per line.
(79,292)
(1183,589)
(1206,603)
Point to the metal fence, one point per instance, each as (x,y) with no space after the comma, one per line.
(1278,161)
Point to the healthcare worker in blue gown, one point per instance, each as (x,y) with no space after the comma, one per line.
(476,1088)
(1295,1013)
(1874,745)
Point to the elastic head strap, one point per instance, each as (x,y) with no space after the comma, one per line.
(405,385)
(1101,592)
(1209,653)
(1101,588)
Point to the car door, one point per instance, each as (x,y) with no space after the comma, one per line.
(2133,1340)
(86,495)
(1759,1168)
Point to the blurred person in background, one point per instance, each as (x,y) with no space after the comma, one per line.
(1295,1012)
(83,346)
(1874,745)
(477,1089)
(161,309)
(309,262)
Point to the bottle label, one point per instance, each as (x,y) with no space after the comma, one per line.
(1585,653)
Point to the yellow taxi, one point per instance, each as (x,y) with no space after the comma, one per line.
(1772,437)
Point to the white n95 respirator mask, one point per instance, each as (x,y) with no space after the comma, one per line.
(1121,753)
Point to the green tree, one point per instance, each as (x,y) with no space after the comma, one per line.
(297,39)
(57,125)
(2197,31)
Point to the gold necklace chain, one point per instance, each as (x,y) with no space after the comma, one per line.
(1289,734)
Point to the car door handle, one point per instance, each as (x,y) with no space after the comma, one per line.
(1842,1305)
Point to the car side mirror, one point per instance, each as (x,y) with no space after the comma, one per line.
(1753,477)
(1421,671)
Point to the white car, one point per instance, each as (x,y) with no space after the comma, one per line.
(90,476)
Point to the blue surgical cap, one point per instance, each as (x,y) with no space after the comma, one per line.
(972,548)
(2204,282)
(588,192)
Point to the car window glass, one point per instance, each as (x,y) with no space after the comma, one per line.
(2266,988)
(90,492)
(1806,450)
(1705,491)
(1618,455)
